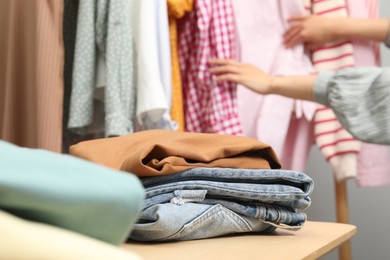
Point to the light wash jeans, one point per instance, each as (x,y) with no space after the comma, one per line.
(209,202)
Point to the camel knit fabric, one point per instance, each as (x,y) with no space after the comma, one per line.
(163,152)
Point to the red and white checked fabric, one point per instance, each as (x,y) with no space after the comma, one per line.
(339,148)
(209,31)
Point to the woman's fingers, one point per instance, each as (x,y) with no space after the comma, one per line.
(220,62)
(291,35)
(229,77)
(294,40)
(239,73)
(225,69)
(290,32)
(296,19)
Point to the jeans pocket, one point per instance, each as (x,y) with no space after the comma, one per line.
(215,221)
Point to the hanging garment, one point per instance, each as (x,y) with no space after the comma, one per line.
(299,141)
(176,10)
(104,27)
(154,82)
(365,52)
(152,76)
(272,117)
(373,160)
(208,32)
(162,152)
(67,192)
(372,7)
(46,242)
(335,143)
(31,78)
(164,50)
(206,202)
(69,37)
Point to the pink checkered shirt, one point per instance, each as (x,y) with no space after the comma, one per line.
(208,32)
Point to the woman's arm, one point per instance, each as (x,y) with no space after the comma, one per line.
(298,87)
(360,97)
(316,31)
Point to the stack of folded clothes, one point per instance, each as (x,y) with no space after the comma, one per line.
(204,185)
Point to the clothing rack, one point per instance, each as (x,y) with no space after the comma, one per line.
(342,216)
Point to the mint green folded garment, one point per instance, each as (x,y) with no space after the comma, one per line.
(67,192)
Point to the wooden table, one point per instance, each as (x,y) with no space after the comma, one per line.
(312,241)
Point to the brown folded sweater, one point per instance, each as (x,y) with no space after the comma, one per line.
(163,152)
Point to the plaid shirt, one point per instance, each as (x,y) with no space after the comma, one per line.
(208,32)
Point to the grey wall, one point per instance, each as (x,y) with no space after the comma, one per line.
(369,207)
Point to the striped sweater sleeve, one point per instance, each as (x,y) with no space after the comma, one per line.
(338,146)
(360,98)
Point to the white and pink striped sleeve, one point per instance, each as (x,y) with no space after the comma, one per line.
(335,143)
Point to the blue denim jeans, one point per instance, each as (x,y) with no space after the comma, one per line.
(209,202)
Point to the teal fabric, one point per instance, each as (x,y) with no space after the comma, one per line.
(68,192)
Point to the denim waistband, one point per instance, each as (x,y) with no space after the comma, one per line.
(275,213)
(177,198)
(266,176)
(287,195)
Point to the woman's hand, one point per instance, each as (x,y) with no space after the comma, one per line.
(298,87)
(245,74)
(313,31)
